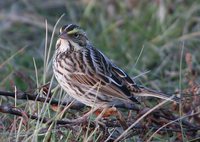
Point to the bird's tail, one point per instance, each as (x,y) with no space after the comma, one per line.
(146,92)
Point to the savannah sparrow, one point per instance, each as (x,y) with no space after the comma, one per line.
(87,75)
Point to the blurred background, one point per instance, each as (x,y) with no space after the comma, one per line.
(157,42)
(148,39)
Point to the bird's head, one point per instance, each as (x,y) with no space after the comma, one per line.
(71,35)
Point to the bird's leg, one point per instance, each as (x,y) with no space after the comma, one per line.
(121,120)
(106,112)
(101,114)
(85,117)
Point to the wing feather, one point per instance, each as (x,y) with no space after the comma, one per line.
(106,88)
(103,71)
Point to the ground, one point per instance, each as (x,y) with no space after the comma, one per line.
(156,42)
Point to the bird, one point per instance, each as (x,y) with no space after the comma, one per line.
(89,76)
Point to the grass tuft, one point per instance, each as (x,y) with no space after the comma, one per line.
(145,38)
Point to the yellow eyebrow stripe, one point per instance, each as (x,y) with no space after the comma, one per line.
(73,31)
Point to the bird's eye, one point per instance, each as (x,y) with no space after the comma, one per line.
(76,35)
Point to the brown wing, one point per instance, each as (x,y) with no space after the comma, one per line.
(107,88)
(100,69)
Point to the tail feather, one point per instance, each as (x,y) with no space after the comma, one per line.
(146,92)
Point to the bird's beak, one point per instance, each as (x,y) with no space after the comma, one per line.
(63,35)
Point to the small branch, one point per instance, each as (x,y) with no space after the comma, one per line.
(11,110)
(76,105)
(161,113)
(35,97)
(14,111)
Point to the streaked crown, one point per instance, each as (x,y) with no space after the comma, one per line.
(74,33)
(70,28)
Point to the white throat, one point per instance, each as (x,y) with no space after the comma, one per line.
(63,45)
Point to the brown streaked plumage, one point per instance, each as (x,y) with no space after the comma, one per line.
(89,76)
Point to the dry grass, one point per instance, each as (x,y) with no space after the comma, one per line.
(148,39)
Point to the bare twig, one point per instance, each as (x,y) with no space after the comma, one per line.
(12,110)
(35,97)
(75,105)
(108,123)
